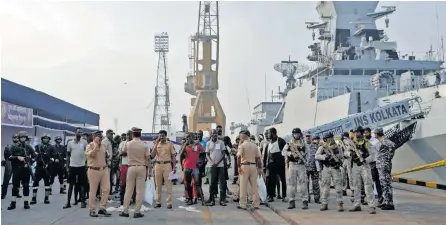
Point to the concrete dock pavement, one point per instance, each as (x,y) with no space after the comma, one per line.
(53,214)
(411,209)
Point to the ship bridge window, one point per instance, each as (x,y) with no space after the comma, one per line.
(369,72)
(341,72)
(399,72)
(357,72)
(417,72)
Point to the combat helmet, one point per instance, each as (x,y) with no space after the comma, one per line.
(45,135)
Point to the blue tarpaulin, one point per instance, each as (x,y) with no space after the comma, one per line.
(45,105)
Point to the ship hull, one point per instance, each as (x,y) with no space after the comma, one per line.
(418,152)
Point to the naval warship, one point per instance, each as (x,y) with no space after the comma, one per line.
(360,78)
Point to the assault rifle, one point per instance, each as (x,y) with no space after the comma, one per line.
(27,164)
(328,151)
(40,156)
(295,152)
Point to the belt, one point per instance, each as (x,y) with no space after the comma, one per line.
(163,162)
(97,168)
(247,163)
(136,165)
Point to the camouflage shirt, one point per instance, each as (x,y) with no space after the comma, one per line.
(311,161)
(385,153)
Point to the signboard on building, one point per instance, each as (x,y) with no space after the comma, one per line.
(16,116)
(373,118)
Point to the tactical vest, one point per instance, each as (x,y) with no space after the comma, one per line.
(362,146)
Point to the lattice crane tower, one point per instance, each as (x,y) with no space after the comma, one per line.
(161,109)
(202,82)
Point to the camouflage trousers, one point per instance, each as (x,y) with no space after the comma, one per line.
(363,175)
(385,178)
(315,181)
(298,177)
(329,173)
(348,175)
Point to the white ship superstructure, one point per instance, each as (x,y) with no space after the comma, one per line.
(358,71)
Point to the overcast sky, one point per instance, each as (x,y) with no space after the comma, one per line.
(85,52)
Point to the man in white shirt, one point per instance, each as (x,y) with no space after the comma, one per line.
(374,146)
(215,153)
(77,173)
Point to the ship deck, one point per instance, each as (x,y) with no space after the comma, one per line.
(414,205)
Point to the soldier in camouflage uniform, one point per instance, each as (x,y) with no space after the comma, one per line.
(361,171)
(331,155)
(312,169)
(296,152)
(384,164)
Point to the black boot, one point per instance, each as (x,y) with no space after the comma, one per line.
(33,200)
(46,201)
(12,206)
(292,205)
(304,205)
(26,205)
(62,190)
(189,202)
(66,206)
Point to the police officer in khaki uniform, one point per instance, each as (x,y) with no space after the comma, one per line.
(249,167)
(138,157)
(98,174)
(165,162)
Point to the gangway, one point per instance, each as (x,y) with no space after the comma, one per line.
(404,110)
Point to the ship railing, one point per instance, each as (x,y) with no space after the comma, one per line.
(341,88)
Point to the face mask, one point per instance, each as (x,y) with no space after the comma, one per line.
(214,138)
(15,140)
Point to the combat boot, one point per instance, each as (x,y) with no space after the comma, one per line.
(304,205)
(340,207)
(62,191)
(356,208)
(317,201)
(189,202)
(388,207)
(12,205)
(33,200)
(138,215)
(46,201)
(123,214)
(26,205)
(324,207)
(292,205)
(372,210)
